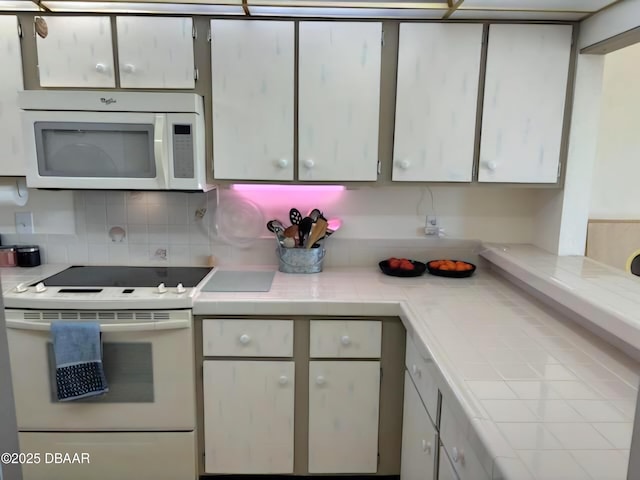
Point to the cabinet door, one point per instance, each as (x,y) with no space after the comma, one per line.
(248,416)
(252,71)
(344,402)
(445,469)
(12,158)
(436,102)
(339,100)
(155,52)
(76,53)
(524,98)
(419,439)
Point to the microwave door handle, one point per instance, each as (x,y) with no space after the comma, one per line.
(160,150)
(106,327)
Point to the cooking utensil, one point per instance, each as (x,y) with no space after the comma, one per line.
(318,231)
(291,232)
(303,230)
(295,216)
(275,226)
(315,214)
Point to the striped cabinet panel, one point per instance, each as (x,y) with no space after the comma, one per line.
(524,100)
(12,157)
(436,102)
(77,52)
(252,73)
(344,401)
(248,416)
(155,52)
(339,100)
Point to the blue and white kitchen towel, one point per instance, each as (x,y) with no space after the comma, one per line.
(78,353)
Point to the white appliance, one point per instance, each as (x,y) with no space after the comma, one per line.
(114,140)
(144,427)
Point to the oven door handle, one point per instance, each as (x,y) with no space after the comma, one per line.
(107,327)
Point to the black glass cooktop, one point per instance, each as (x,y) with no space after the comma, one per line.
(127,277)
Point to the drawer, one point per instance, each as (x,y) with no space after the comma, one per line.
(247,338)
(454,435)
(345,339)
(111,455)
(424,374)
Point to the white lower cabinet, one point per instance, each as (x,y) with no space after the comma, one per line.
(445,469)
(111,455)
(419,437)
(344,400)
(248,416)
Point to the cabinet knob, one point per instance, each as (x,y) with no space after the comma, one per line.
(101,68)
(245,339)
(426,446)
(404,164)
(492,166)
(282,163)
(129,68)
(457,455)
(283,380)
(320,380)
(309,163)
(345,340)
(415,370)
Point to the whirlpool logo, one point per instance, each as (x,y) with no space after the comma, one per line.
(108,101)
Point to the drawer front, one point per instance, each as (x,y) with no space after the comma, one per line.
(454,434)
(247,338)
(423,373)
(345,339)
(112,455)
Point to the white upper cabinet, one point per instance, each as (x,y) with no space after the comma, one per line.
(77,52)
(524,99)
(252,71)
(155,52)
(339,100)
(11,151)
(436,101)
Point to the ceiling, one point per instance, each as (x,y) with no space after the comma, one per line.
(567,10)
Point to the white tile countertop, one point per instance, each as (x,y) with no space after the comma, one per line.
(544,398)
(609,298)
(541,397)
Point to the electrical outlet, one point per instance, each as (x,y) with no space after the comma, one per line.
(24,222)
(431,226)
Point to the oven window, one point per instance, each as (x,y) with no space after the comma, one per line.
(95,150)
(128,368)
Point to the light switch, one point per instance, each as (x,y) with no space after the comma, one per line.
(24,222)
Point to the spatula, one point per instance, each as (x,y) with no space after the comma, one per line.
(318,230)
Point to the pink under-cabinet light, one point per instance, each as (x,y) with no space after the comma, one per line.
(261,187)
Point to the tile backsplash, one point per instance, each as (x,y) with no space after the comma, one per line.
(175,228)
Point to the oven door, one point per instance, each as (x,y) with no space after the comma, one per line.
(96,150)
(149,367)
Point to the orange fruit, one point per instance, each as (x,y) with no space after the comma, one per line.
(394,263)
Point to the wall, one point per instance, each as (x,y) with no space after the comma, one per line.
(615,188)
(375,219)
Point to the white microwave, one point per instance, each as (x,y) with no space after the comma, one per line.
(114,140)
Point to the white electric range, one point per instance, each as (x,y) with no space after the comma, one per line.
(144,427)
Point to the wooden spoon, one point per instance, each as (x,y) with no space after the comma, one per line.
(318,231)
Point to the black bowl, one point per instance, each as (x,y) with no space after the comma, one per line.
(451,273)
(419,269)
